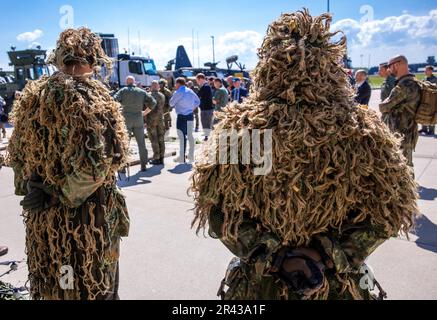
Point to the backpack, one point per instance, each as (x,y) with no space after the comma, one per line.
(426,113)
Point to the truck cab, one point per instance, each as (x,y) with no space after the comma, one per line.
(143,69)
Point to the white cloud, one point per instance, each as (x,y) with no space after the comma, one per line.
(406,34)
(30,36)
(241,43)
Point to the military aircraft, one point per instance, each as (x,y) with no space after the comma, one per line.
(184,68)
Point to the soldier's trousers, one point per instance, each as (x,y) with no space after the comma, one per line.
(136,127)
(408,153)
(167,121)
(156,135)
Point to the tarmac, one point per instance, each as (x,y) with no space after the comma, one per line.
(163,258)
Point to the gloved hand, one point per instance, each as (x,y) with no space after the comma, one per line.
(301,269)
(39,196)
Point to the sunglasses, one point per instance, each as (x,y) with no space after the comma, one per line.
(394,62)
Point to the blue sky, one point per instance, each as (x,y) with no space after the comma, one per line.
(403,26)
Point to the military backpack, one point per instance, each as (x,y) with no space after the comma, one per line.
(426,113)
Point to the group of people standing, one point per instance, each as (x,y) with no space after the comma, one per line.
(153,110)
(400,98)
(209,96)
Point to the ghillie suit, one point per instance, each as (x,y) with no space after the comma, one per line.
(70,136)
(338,183)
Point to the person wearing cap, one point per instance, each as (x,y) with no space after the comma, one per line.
(389,80)
(239,93)
(136,103)
(399,109)
(429,130)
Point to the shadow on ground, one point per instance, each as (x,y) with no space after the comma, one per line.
(181,169)
(428,194)
(426,231)
(140,178)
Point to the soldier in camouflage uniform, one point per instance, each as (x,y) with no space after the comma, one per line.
(429,130)
(389,81)
(167,109)
(399,109)
(68,143)
(155,125)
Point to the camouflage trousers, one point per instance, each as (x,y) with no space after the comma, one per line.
(408,153)
(167,121)
(156,135)
(245,284)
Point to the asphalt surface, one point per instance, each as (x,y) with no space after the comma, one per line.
(163,258)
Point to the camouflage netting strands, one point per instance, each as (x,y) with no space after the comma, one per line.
(65,126)
(80,46)
(330,158)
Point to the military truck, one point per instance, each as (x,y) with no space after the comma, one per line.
(28,65)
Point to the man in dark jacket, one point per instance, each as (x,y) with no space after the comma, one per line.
(239,93)
(206,105)
(363,89)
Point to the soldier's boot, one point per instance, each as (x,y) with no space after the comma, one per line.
(3,250)
(157,162)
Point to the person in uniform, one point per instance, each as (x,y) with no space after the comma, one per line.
(337,188)
(167,109)
(155,125)
(399,109)
(136,104)
(389,81)
(429,76)
(68,143)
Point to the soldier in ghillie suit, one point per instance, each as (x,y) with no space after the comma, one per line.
(167,109)
(339,187)
(399,109)
(69,141)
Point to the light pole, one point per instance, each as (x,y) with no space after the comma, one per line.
(213,49)
(329,6)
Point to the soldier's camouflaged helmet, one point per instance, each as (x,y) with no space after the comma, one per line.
(79,46)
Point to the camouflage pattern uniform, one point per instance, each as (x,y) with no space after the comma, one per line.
(251,279)
(430,130)
(387,87)
(399,113)
(167,109)
(155,126)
